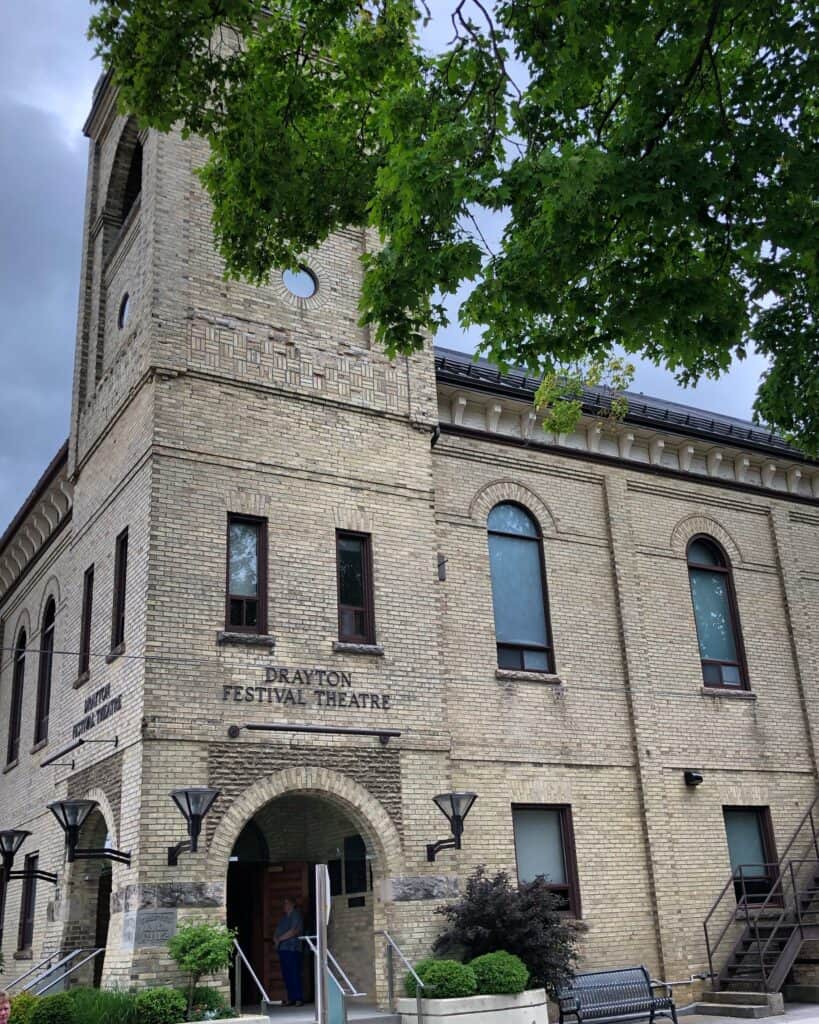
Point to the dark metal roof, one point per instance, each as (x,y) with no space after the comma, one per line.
(460,369)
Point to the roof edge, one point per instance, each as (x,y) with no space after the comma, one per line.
(50,472)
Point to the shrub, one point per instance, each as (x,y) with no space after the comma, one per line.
(208,1003)
(104,1006)
(492,915)
(443,979)
(160,1006)
(201,949)
(57,1009)
(500,974)
(22,1007)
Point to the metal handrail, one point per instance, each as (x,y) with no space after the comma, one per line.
(56,967)
(70,971)
(22,977)
(238,979)
(419,985)
(353,991)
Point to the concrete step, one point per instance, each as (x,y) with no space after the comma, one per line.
(741,998)
(734,1010)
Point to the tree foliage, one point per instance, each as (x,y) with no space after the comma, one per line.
(493,915)
(654,162)
(200,949)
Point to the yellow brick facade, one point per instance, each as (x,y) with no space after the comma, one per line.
(220,398)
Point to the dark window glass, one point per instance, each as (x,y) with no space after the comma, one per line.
(44,673)
(519,590)
(544,845)
(752,851)
(334,871)
(133,183)
(355,864)
(246,575)
(712,594)
(85,623)
(355,588)
(28,903)
(16,710)
(120,585)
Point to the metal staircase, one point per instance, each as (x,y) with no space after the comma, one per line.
(767,928)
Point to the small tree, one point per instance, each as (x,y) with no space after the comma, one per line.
(201,949)
(494,915)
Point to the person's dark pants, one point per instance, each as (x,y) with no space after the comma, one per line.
(290,960)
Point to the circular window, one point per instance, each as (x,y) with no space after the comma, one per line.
(302,282)
(124,311)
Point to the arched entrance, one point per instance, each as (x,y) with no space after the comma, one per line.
(273,836)
(89,900)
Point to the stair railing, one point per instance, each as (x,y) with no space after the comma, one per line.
(33,970)
(67,973)
(419,985)
(744,907)
(237,980)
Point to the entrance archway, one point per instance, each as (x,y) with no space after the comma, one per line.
(271,838)
(89,901)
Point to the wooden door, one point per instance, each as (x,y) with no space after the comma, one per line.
(290,880)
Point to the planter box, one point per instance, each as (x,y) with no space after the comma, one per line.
(527,1008)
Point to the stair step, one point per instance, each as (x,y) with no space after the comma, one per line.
(752,998)
(734,1010)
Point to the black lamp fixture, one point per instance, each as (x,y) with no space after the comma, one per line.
(692,777)
(11,839)
(454,807)
(194,803)
(72,815)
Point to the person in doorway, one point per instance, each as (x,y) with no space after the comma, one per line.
(5,1007)
(288,943)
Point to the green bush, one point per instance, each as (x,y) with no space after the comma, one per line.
(22,1007)
(160,1006)
(500,974)
(104,1006)
(57,1009)
(208,1003)
(443,979)
(201,949)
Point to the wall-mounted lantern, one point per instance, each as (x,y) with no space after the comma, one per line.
(11,839)
(693,778)
(71,816)
(454,807)
(194,803)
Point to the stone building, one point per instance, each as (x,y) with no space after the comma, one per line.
(260,520)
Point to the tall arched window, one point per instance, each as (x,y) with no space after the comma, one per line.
(44,673)
(715,612)
(16,710)
(519,590)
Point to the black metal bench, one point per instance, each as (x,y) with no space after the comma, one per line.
(608,995)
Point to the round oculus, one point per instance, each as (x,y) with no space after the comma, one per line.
(302,282)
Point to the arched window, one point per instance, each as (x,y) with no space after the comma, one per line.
(16,711)
(715,613)
(519,590)
(44,673)
(125,183)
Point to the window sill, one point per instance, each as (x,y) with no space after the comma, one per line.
(723,691)
(114,653)
(246,639)
(83,677)
(23,954)
(10,765)
(39,746)
(512,675)
(375,650)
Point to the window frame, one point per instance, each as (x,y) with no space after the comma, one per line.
(768,836)
(18,680)
(572,887)
(260,522)
(538,541)
(28,904)
(86,613)
(45,670)
(733,613)
(120,591)
(368,638)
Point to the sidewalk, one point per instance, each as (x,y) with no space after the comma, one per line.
(795,1013)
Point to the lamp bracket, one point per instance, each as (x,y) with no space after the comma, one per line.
(174,851)
(103,853)
(442,844)
(45,876)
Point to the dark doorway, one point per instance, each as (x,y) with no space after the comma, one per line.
(752,850)
(103,920)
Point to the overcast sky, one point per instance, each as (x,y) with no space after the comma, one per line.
(47,73)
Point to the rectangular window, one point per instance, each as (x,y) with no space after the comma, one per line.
(120,583)
(752,850)
(246,610)
(85,622)
(28,902)
(544,845)
(355,864)
(356,622)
